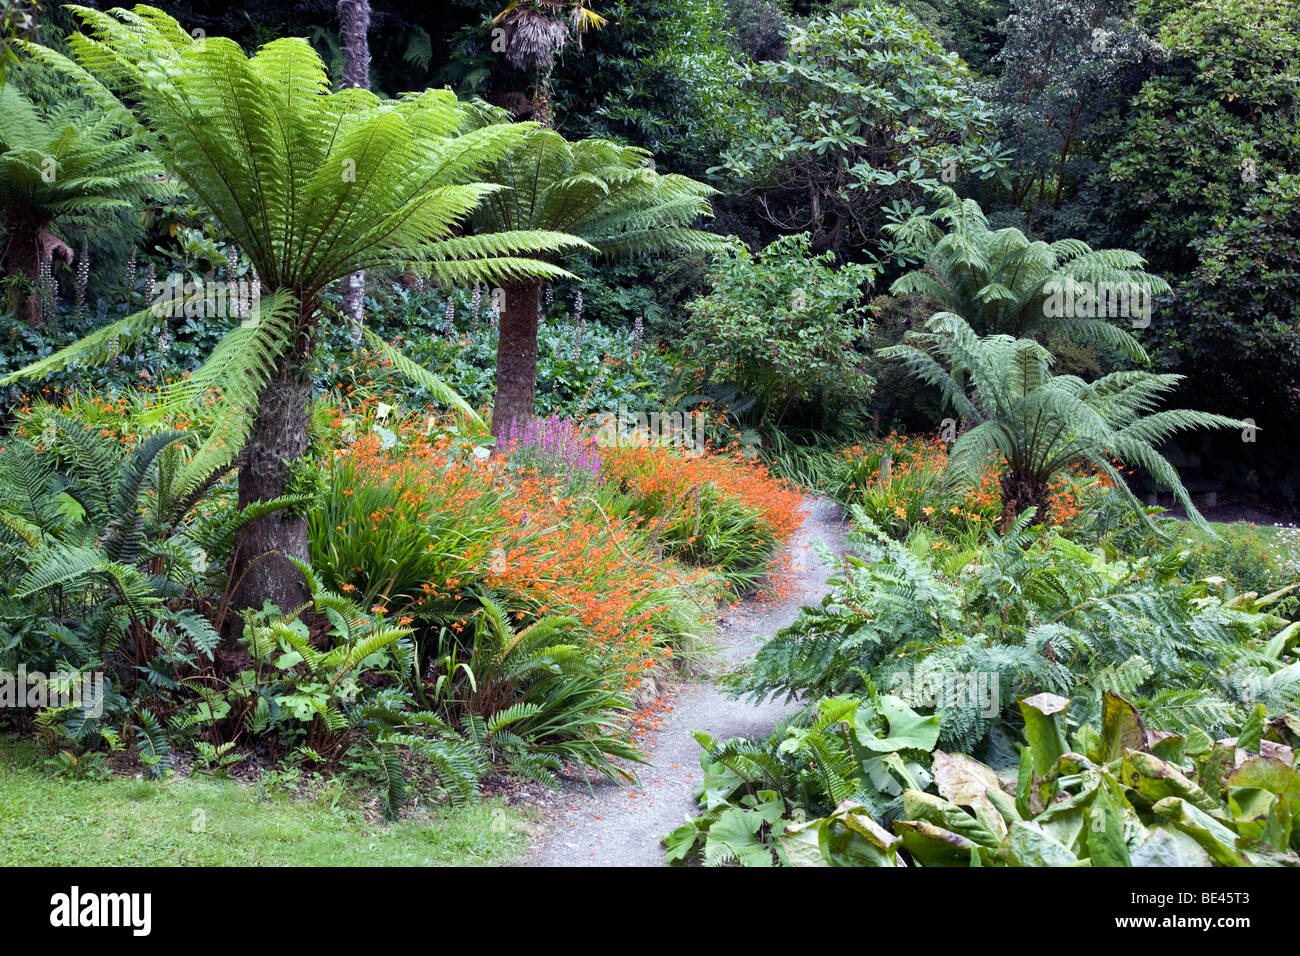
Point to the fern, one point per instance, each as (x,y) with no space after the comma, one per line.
(1044,424)
(152,744)
(998,280)
(419,375)
(67,165)
(312,185)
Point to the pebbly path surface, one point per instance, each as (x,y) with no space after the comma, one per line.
(612,825)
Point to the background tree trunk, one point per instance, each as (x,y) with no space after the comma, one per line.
(516,357)
(261,570)
(23,261)
(354,23)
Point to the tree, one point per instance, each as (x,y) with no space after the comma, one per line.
(866,115)
(62,168)
(354,22)
(1000,282)
(1199,142)
(1043,424)
(1239,311)
(1235,334)
(1200,177)
(661,77)
(1065,63)
(312,185)
(536,31)
(605,193)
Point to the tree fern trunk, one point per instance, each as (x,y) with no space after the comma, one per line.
(261,570)
(354,22)
(516,357)
(22,260)
(1020,492)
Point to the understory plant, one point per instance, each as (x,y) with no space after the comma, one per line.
(710,510)
(109,567)
(786,327)
(973,629)
(860,784)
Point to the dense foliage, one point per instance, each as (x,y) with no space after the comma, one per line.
(865,116)
(785,328)
(624,319)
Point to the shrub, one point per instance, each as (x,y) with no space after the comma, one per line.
(901,482)
(785,327)
(863,116)
(1030,612)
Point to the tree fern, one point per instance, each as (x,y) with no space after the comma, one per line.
(312,185)
(999,280)
(608,194)
(62,167)
(1044,424)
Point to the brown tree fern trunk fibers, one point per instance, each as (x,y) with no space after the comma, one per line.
(1020,492)
(22,260)
(260,569)
(516,357)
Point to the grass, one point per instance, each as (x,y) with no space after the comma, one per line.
(200,821)
(1266,532)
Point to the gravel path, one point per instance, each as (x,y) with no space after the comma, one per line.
(611,825)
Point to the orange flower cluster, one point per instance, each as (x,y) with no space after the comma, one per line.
(559,556)
(666,478)
(544,551)
(899,481)
(910,490)
(1068,494)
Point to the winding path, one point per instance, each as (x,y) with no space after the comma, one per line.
(610,825)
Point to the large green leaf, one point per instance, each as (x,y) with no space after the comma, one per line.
(1045,729)
(1214,837)
(908,730)
(1027,844)
(1155,780)
(1121,727)
(949,816)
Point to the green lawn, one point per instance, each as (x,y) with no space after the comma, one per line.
(201,821)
